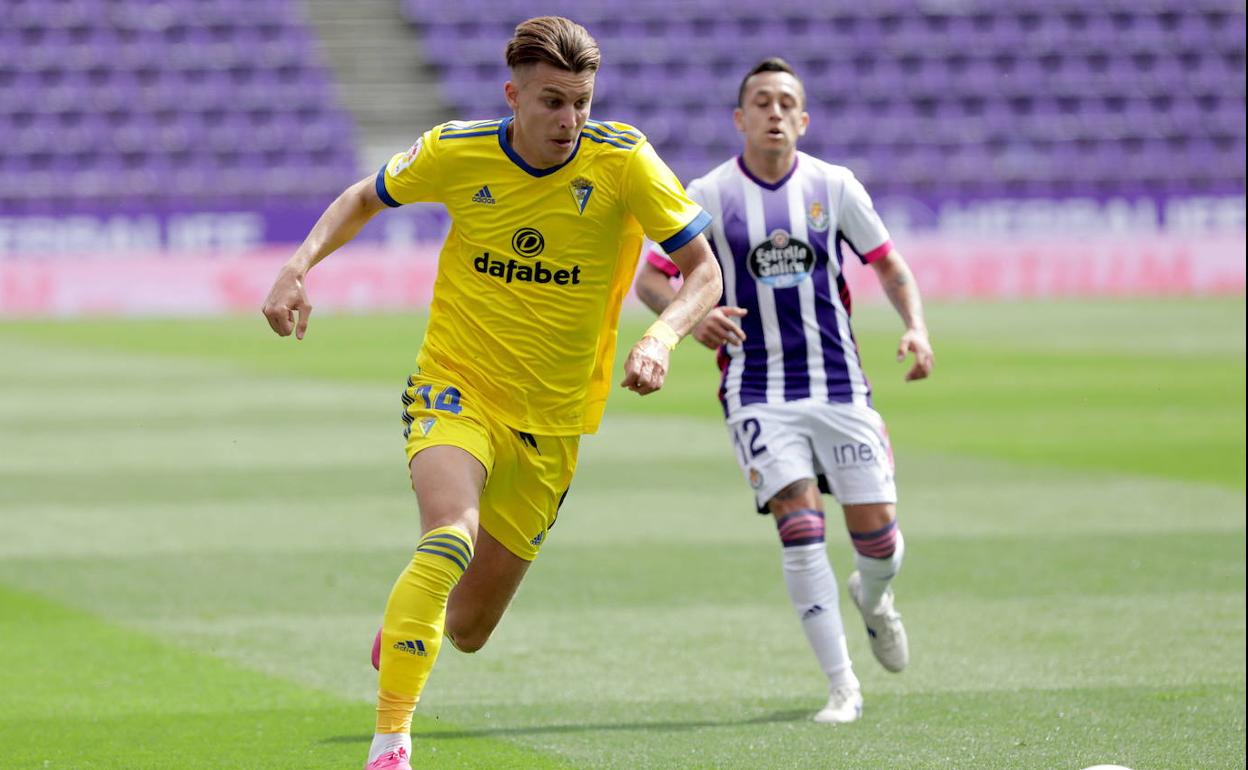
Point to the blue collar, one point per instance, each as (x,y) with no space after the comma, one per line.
(515,157)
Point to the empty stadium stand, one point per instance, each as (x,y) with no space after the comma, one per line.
(190,103)
(937,99)
(211,103)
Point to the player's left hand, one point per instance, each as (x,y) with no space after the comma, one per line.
(915,341)
(646,367)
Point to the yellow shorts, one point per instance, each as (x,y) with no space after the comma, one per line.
(527,476)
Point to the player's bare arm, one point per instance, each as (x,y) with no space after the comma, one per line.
(340,223)
(902,290)
(647,364)
(655,290)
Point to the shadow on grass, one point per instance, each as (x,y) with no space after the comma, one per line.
(788,715)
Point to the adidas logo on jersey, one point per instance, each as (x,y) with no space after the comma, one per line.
(483,196)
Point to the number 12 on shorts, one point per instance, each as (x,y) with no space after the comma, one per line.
(745,436)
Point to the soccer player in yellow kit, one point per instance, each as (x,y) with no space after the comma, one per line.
(548,211)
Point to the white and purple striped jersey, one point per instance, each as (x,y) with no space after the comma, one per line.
(779,246)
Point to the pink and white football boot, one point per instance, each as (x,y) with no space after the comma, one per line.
(391,760)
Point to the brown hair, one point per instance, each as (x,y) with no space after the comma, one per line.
(774,64)
(555,40)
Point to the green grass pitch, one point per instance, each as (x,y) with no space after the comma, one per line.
(199,524)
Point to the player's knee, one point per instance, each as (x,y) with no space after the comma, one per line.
(870,516)
(468,631)
(780,509)
(467,640)
(801,495)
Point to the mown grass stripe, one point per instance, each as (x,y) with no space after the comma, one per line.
(76,691)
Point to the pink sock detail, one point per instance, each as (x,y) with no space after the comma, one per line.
(801,528)
(880,544)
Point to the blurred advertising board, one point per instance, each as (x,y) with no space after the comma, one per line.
(205,262)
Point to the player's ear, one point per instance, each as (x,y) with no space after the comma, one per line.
(511,92)
(738,119)
(803,123)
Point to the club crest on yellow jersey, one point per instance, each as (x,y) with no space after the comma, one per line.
(582,188)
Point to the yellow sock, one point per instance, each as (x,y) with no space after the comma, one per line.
(394,712)
(411,632)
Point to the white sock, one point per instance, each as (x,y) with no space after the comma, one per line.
(812,588)
(878,573)
(383,742)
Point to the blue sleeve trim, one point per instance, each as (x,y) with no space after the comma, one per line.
(687,233)
(382,192)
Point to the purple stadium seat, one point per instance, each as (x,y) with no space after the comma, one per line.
(1035,95)
(113,94)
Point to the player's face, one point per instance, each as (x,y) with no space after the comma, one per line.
(772,115)
(551,107)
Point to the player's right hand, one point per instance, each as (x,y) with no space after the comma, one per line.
(718,328)
(286,299)
(645,369)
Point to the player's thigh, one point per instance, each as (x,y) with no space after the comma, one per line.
(519,505)
(447,481)
(478,601)
(771,450)
(530,477)
(449,451)
(853,453)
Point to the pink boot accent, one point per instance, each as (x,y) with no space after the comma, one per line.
(391,760)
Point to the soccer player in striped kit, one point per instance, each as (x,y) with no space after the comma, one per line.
(797,403)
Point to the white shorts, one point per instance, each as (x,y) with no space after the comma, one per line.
(844,446)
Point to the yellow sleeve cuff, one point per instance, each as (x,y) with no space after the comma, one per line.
(660,331)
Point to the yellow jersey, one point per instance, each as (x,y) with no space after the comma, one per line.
(527,298)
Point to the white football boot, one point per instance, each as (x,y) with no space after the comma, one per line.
(844,705)
(887,634)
